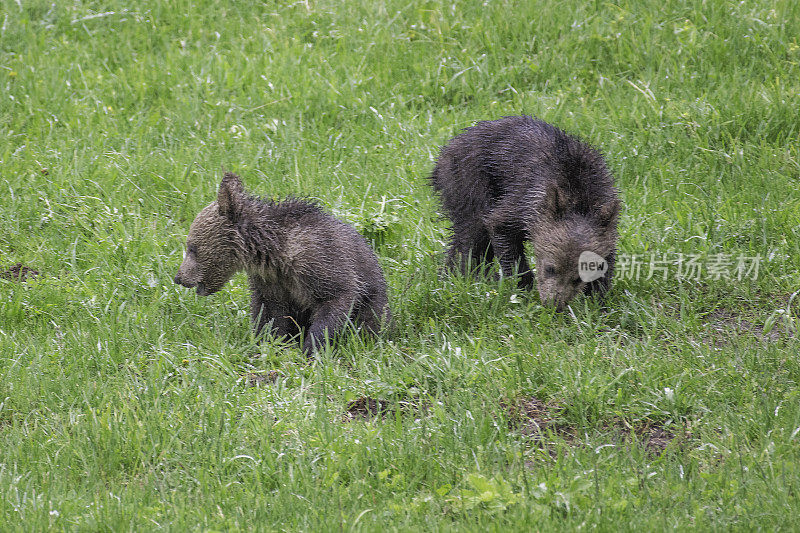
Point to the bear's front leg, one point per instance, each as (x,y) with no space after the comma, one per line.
(266,309)
(509,245)
(599,287)
(326,321)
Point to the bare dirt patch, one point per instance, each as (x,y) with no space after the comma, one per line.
(19,272)
(724,322)
(258,379)
(655,438)
(533,418)
(366,408)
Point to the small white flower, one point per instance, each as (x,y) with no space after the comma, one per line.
(238,131)
(670,394)
(272,124)
(55,513)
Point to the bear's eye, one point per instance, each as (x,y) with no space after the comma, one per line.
(192,249)
(549,270)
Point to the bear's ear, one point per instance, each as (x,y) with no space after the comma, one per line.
(608,212)
(554,203)
(230,196)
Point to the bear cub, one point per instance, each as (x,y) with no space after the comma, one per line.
(308,272)
(517,179)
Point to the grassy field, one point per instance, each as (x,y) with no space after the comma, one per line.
(126,402)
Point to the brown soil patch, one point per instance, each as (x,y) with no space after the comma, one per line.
(365,408)
(656,438)
(534,418)
(653,436)
(257,379)
(723,322)
(19,272)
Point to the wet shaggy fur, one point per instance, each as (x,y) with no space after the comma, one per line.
(518,179)
(308,271)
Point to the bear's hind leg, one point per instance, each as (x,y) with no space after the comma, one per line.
(373,313)
(509,244)
(471,250)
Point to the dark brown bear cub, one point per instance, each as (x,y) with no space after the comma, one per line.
(506,181)
(307,270)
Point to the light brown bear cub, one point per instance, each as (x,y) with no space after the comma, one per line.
(309,272)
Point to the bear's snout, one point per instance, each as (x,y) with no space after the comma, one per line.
(180,281)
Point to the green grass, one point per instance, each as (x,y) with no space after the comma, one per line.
(123,403)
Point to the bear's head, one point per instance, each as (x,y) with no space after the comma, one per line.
(561,236)
(214,246)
